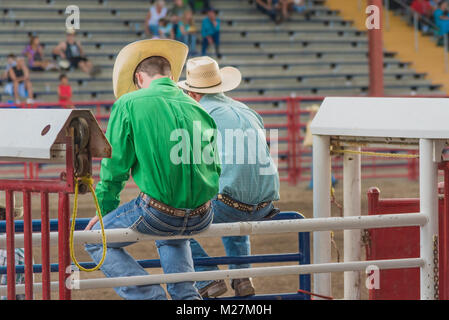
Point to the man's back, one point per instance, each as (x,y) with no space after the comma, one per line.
(151,132)
(249,174)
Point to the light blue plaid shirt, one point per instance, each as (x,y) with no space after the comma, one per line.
(249,174)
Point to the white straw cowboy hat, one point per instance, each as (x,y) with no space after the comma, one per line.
(204,76)
(134,53)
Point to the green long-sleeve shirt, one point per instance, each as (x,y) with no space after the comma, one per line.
(166,141)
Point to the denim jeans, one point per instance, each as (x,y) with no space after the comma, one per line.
(175,255)
(234,246)
(190,40)
(205,44)
(271,13)
(154,28)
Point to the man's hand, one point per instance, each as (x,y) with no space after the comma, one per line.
(91,223)
(210,40)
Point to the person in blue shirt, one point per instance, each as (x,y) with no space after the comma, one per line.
(249,180)
(441,17)
(210,31)
(186,32)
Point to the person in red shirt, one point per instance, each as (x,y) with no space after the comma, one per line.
(65,92)
(423,7)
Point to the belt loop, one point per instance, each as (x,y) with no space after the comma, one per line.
(254,208)
(186,219)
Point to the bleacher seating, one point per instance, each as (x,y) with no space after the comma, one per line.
(314,54)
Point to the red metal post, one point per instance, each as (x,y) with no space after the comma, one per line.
(10,246)
(36,170)
(297,137)
(63,244)
(28,247)
(412,166)
(45,243)
(291,141)
(376,64)
(31,167)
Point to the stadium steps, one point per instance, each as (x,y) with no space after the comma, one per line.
(400,38)
(316,54)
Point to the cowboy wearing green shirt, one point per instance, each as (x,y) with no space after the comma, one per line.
(152,132)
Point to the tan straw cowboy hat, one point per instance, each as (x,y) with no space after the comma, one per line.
(204,76)
(134,53)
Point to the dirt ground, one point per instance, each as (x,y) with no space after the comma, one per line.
(293,198)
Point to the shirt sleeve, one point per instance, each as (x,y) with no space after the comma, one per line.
(207,28)
(115,171)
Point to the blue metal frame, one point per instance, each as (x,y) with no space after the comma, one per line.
(302,257)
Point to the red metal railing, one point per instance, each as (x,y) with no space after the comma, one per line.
(63,187)
(294,158)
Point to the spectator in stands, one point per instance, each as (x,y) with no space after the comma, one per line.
(156,12)
(441,17)
(65,92)
(35,56)
(246,189)
(176,13)
(422,7)
(206,5)
(9,63)
(187,32)
(425,10)
(269,7)
(210,31)
(299,5)
(286,7)
(72,51)
(166,29)
(18,80)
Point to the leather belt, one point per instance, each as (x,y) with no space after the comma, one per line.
(162,207)
(240,205)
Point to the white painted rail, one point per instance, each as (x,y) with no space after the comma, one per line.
(243,228)
(229,274)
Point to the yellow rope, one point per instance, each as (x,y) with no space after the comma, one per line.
(364,153)
(378,154)
(89,181)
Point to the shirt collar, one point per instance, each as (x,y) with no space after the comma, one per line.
(165,81)
(213,96)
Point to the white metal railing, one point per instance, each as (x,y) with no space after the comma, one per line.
(227,274)
(242,228)
(234,229)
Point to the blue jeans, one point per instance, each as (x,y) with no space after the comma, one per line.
(175,255)
(205,44)
(154,28)
(234,246)
(271,13)
(190,40)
